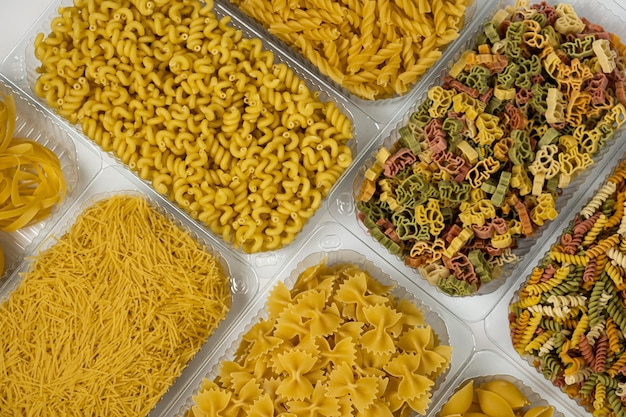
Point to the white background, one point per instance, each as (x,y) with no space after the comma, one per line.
(16,17)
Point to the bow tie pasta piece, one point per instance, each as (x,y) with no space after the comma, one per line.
(204,114)
(481,162)
(114,309)
(311,356)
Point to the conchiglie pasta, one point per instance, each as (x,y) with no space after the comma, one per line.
(492,396)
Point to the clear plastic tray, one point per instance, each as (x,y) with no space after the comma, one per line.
(487,365)
(243,281)
(20,68)
(328,242)
(381,110)
(342,208)
(34,124)
(477,326)
(497,324)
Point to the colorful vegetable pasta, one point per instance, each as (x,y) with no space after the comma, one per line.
(108,316)
(568,319)
(481,161)
(337,344)
(198,110)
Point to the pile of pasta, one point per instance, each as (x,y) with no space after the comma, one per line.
(336,344)
(569,317)
(373,49)
(2,261)
(200,111)
(481,162)
(107,317)
(32,182)
(496,396)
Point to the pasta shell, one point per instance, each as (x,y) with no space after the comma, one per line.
(540,411)
(493,404)
(508,391)
(474,414)
(460,401)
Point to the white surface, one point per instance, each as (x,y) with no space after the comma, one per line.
(16,17)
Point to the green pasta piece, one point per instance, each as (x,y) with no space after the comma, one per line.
(506,79)
(481,266)
(491,32)
(551,367)
(453,286)
(579,48)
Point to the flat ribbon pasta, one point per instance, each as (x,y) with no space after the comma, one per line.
(31,184)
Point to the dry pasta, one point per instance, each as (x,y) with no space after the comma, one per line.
(585,353)
(2,261)
(32,182)
(373,49)
(337,343)
(478,166)
(200,111)
(496,396)
(107,317)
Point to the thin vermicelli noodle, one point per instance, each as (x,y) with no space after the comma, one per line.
(107,317)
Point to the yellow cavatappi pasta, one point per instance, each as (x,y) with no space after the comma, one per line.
(194,107)
(339,343)
(373,49)
(107,317)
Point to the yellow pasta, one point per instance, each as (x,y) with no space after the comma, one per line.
(373,49)
(107,317)
(2,261)
(497,396)
(191,105)
(327,346)
(32,182)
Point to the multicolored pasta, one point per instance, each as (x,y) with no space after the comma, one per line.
(589,365)
(480,163)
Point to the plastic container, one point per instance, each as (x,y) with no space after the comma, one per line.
(343,208)
(382,110)
(476,327)
(327,242)
(21,68)
(243,281)
(488,365)
(33,124)
(503,314)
